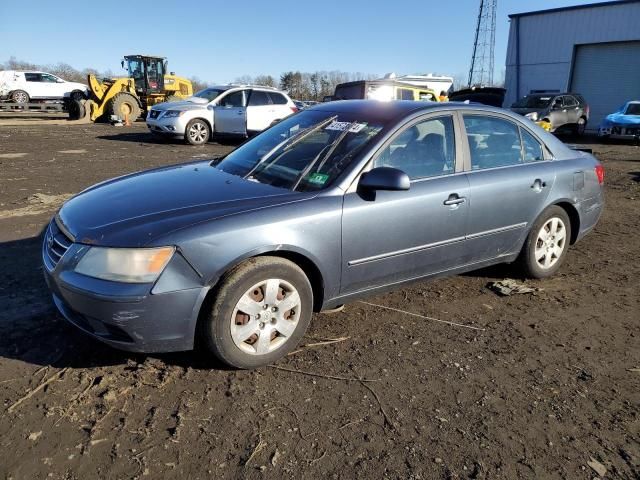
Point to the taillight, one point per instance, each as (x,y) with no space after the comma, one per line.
(587,110)
(294,109)
(600,173)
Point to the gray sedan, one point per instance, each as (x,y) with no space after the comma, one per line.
(340,201)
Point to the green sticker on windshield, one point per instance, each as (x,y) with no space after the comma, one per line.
(317,178)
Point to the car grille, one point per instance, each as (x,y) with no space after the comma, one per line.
(154,113)
(56,244)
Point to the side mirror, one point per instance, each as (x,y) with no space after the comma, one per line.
(122,63)
(384,178)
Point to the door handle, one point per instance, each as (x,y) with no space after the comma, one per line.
(454,199)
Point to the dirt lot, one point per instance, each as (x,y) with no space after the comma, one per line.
(543,385)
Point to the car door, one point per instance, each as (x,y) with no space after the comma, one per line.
(510,177)
(573,110)
(230,113)
(259,111)
(53,86)
(34,85)
(558,114)
(389,237)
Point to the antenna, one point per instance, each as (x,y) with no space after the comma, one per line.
(482,60)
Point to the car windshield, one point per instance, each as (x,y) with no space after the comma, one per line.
(633,109)
(208,93)
(534,101)
(304,152)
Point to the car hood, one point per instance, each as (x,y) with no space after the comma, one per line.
(193,103)
(619,118)
(134,210)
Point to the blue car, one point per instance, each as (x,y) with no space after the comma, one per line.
(623,124)
(338,202)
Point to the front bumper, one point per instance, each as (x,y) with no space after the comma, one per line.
(159,317)
(620,132)
(170,126)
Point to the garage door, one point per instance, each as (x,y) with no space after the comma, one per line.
(607,75)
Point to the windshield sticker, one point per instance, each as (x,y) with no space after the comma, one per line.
(341,126)
(317,178)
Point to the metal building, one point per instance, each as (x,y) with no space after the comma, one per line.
(591,49)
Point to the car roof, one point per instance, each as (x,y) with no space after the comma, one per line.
(387,111)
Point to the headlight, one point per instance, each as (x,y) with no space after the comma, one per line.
(532,116)
(172,113)
(129,265)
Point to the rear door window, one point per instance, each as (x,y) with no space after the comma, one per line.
(531,148)
(493,142)
(258,99)
(33,77)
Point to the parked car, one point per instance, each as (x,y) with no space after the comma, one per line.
(237,110)
(562,111)
(623,124)
(492,96)
(22,87)
(343,200)
(300,105)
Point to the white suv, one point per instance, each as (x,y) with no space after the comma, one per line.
(22,87)
(237,110)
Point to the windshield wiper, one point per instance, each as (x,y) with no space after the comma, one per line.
(288,143)
(332,147)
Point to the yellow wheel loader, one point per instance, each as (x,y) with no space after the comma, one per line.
(129,98)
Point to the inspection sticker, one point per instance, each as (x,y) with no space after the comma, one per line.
(341,126)
(317,178)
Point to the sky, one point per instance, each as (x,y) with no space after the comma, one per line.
(221,41)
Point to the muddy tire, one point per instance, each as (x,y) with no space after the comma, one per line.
(547,243)
(197,132)
(124,105)
(260,312)
(76,109)
(20,96)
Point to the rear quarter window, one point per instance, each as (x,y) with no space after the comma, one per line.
(278,98)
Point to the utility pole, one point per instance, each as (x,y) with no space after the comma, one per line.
(482,60)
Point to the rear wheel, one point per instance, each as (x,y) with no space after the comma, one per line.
(77,95)
(124,105)
(197,132)
(547,243)
(260,313)
(20,96)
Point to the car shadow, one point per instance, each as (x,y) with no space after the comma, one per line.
(34,332)
(146,137)
(635,176)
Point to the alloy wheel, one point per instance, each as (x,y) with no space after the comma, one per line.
(198,132)
(550,243)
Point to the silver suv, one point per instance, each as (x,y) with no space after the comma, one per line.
(236,110)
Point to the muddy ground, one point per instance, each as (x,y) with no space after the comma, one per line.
(546,383)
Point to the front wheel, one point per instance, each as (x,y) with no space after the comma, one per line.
(581,126)
(547,243)
(197,132)
(260,312)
